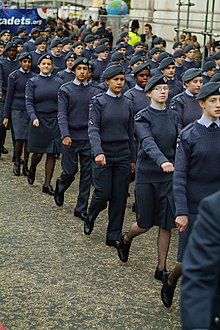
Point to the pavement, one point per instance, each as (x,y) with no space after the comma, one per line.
(53,277)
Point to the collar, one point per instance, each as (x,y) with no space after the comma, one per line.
(189,93)
(38,52)
(52,52)
(138,88)
(152,105)
(22,70)
(188,60)
(112,94)
(207,122)
(44,75)
(68,70)
(8,59)
(77,82)
(178,65)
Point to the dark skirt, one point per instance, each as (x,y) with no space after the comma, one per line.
(184,237)
(46,137)
(155,205)
(20,122)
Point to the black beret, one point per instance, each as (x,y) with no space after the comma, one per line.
(178,53)
(138,43)
(34,30)
(117,56)
(177,43)
(216,56)
(101,48)
(80,60)
(140,52)
(77,43)
(39,41)
(73,36)
(121,46)
(135,59)
(58,28)
(21,28)
(158,79)
(89,37)
(208,65)
(157,40)
(191,74)
(70,55)
(18,41)
(103,40)
(154,50)
(2,42)
(97,36)
(4,31)
(45,56)
(188,48)
(10,45)
(113,71)
(210,88)
(166,62)
(123,34)
(66,41)
(140,68)
(25,55)
(215,77)
(55,42)
(162,56)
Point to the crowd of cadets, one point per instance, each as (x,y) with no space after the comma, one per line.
(50,81)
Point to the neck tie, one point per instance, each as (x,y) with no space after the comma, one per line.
(213,125)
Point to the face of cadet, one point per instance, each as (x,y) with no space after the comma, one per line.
(116,83)
(81,72)
(194,85)
(26,64)
(159,94)
(57,49)
(169,71)
(46,66)
(211,107)
(142,78)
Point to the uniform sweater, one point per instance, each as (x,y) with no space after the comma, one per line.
(99,67)
(15,98)
(6,67)
(139,99)
(156,131)
(175,88)
(197,172)
(66,75)
(41,96)
(111,127)
(73,110)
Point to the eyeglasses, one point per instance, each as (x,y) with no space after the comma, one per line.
(160,89)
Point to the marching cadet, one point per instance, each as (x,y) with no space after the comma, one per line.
(68,74)
(40,49)
(57,56)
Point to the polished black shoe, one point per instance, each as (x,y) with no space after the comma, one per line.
(16,169)
(4,150)
(25,171)
(167,291)
(88,226)
(158,275)
(83,216)
(122,248)
(111,242)
(48,190)
(31,175)
(58,196)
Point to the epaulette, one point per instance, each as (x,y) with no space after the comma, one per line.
(97,95)
(15,74)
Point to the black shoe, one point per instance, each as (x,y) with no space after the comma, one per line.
(134,207)
(158,275)
(111,242)
(83,216)
(4,150)
(16,169)
(123,249)
(88,226)
(48,190)
(58,196)
(31,175)
(25,171)
(167,291)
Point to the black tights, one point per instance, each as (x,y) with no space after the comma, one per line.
(49,166)
(19,145)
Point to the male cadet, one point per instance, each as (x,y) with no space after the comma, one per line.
(190,61)
(73,112)
(30,44)
(57,55)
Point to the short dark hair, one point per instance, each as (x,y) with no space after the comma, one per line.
(148,25)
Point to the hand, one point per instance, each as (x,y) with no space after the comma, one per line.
(182,222)
(132,166)
(167,167)
(36,123)
(67,141)
(100,159)
(5,122)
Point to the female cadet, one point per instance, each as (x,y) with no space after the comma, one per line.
(15,110)
(112,141)
(185,104)
(156,131)
(196,175)
(42,107)
(67,74)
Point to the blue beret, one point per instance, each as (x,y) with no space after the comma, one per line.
(18,41)
(4,31)
(121,40)
(34,30)
(157,40)
(89,37)
(123,34)
(140,52)
(25,55)
(58,28)
(121,46)
(177,43)
(73,36)
(97,36)
(117,56)
(188,48)
(101,48)
(158,79)
(55,42)
(178,53)
(216,56)
(138,43)
(209,65)
(166,62)
(154,50)
(39,41)
(21,28)
(70,55)
(66,41)
(45,56)
(210,88)
(2,42)
(113,71)
(191,74)
(141,67)
(215,77)
(80,60)
(162,56)
(10,45)
(135,59)
(103,40)
(77,43)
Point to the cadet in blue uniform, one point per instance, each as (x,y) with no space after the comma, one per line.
(156,131)
(196,175)
(101,62)
(200,289)
(190,61)
(40,49)
(15,110)
(88,50)
(42,107)
(208,71)
(179,58)
(57,56)
(73,113)
(185,104)
(68,74)
(112,140)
